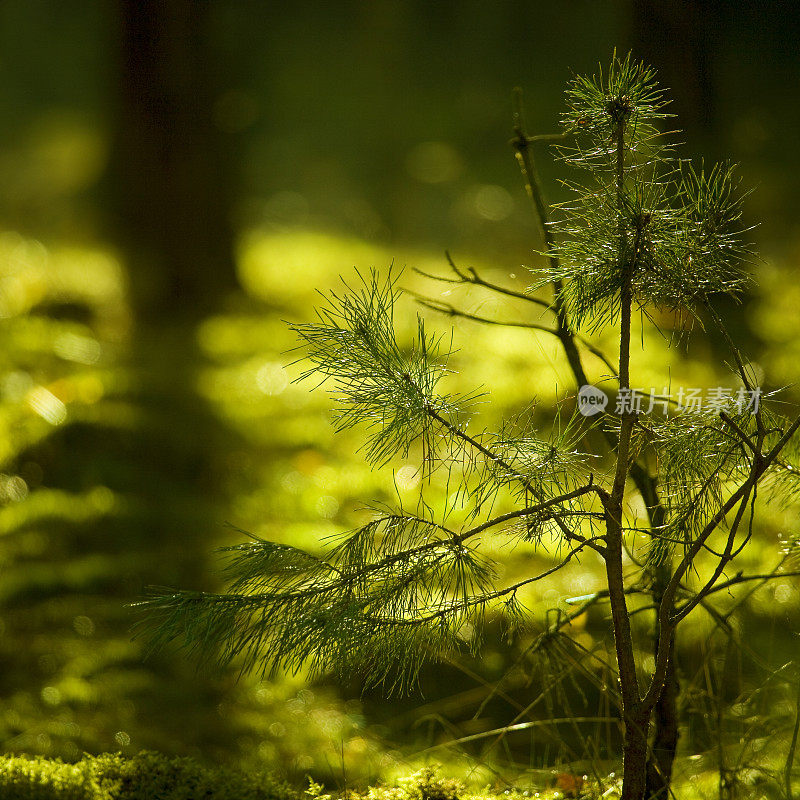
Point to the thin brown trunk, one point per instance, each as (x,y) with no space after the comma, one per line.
(665,719)
(665,738)
(636,720)
(634,754)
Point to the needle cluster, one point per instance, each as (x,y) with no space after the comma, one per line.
(641,214)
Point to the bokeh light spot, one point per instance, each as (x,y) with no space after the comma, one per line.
(122,738)
(83,626)
(12,488)
(408,477)
(47,405)
(272,378)
(51,695)
(327,506)
(434,162)
(81,349)
(493,203)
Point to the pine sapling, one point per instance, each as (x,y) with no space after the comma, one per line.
(643,232)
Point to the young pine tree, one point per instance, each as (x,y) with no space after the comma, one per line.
(644,231)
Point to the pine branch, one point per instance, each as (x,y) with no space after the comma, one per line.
(740,577)
(760,464)
(484,599)
(569,534)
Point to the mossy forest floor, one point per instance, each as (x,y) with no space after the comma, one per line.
(126,449)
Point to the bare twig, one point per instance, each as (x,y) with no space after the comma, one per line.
(472,277)
(451,311)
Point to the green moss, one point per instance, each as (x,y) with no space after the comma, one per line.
(147,776)
(428,784)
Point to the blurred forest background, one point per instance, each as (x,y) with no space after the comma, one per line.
(178,179)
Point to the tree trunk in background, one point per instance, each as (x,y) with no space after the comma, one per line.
(171,181)
(679,38)
(168,182)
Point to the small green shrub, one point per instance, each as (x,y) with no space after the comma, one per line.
(147,776)
(428,785)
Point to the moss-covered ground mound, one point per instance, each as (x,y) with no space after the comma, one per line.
(152,776)
(147,776)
